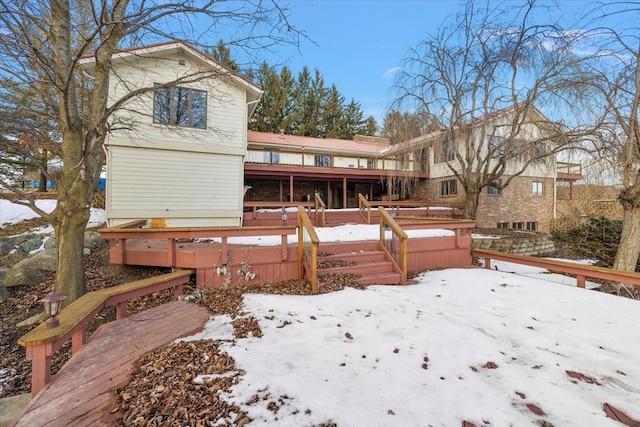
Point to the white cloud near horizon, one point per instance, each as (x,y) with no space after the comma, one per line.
(390,72)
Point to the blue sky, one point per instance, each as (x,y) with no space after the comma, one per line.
(359,43)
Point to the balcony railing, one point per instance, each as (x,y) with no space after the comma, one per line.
(569,168)
(312,159)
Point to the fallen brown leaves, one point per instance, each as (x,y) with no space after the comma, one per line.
(162,390)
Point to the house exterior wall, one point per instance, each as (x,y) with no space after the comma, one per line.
(173,188)
(518,204)
(179,176)
(515,204)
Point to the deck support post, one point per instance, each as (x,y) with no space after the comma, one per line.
(78,339)
(344,193)
(291,188)
(121,310)
(487,262)
(40,356)
(283,240)
(580,281)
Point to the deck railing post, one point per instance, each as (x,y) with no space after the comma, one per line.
(78,339)
(40,356)
(121,310)
(300,247)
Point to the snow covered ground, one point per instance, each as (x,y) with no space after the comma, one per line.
(485,346)
(11,213)
(492,347)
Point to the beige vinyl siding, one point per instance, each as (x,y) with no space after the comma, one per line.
(226,107)
(184,188)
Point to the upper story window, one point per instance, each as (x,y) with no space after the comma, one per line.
(448,151)
(180,106)
(495,145)
(320,160)
(539,152)
(272,157)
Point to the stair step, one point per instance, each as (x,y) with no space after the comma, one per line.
(349,247)
(390,278)
(358,257)
(377,267)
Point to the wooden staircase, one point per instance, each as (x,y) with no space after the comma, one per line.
(370,262)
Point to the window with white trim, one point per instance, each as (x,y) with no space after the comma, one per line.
(180,106)
(537,188)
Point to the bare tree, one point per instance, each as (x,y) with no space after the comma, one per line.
(41,45)
(482,75)
(613,69)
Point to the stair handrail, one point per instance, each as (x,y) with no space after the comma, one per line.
(363,204)
(308,243)
(320,205)
(42,341)
(394,240)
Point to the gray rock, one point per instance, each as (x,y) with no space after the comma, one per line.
(18,240)
(92,239)
(33,320)
(86,251)
(4,294)
(44,260)
(50,243)
(31,245)
(23,276)
(10,407)
(5,247)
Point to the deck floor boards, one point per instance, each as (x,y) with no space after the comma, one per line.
(82,391)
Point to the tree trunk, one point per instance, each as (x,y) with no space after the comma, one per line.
(629,246)
(471,204)
(69,221)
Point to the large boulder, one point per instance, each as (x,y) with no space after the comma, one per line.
(44,260)
(92,240)
(32,244)
(23,276)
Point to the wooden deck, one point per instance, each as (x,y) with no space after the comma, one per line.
(81,394)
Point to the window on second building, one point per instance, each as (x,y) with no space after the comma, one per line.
(449,187)
(321,160)
(537,188)
(180,106)
(272,157)
(495,145)
(494,187)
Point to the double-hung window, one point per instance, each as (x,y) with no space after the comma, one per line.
(180,106)
(449,187)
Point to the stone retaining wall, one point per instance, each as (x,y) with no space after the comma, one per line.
(532,245)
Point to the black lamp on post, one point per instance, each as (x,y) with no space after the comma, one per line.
(52,303)
(284,216)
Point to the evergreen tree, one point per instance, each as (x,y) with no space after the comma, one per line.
(333,123)
(222,54)
(400,127)
(275,110)
(370,127)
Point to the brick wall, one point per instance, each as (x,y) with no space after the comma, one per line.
(516,203)
(268,190)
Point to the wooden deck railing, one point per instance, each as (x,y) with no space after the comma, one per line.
(308,243)
(321,207)
(394,240)
(118,236)
(364,207)
(577,270)
(41,342)
(255,206)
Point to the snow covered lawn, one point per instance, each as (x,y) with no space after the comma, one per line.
(485,346)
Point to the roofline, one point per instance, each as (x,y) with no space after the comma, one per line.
(180,43)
